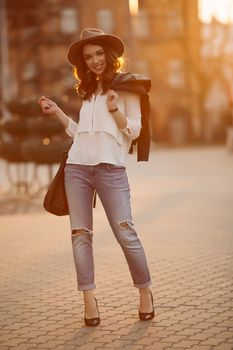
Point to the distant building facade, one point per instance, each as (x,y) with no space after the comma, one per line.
(167,43)
(162,41)
(216,66)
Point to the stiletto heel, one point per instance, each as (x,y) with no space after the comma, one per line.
(146,316)
(92,322)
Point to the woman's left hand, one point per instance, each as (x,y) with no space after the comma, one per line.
(112,98)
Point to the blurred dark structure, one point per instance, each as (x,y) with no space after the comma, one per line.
(28,141)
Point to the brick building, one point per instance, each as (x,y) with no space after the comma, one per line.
(167,44)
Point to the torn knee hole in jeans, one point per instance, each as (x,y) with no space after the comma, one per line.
(124,224)
(80,231)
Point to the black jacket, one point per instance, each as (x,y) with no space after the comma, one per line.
(140,85)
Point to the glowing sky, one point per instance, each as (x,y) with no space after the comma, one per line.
(221,9)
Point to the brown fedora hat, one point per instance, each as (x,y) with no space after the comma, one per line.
(92,34)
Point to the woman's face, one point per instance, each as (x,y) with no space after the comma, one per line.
(94,57)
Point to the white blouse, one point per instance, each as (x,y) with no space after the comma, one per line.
(97,138)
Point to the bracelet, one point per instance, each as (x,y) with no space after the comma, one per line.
(113,110)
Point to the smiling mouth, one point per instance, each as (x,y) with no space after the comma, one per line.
(99,67)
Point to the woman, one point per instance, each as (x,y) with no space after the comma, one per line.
(108,122)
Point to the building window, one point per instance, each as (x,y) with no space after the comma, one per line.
(175,23)
(69,22)
(206,50)
(229,48)
(105,20)
(140,25)
(29,71)
(176,73)
(206,31)
(143,67)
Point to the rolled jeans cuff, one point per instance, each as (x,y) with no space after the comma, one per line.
(86,287)
(145,285)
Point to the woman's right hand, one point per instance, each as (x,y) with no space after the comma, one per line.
(48,106)
(51,109)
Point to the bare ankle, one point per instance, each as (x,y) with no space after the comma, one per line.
(88,295)
(144,290)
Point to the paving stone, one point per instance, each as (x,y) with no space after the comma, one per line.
(144,341)
(12,342)
(22,346)
(187,332)
(186,344)
(226,335)
(164,333)
(202,347)
(172,348)
(199,336)
(66,347)
(6,337)
(119,344)
(158,346)
(211,341)
(203,325)
(175,338)
(132,347)
(223,346)
(90,346)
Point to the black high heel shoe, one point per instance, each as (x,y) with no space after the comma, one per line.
(146,316)
(92,322)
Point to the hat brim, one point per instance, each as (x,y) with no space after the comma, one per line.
(114,42)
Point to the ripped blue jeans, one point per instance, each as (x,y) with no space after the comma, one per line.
(111,184)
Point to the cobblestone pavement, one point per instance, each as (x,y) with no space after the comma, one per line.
(183,209)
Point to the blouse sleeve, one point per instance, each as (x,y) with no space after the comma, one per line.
(133,115)
(71,128)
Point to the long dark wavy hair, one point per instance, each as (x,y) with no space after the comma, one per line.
(87,80)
